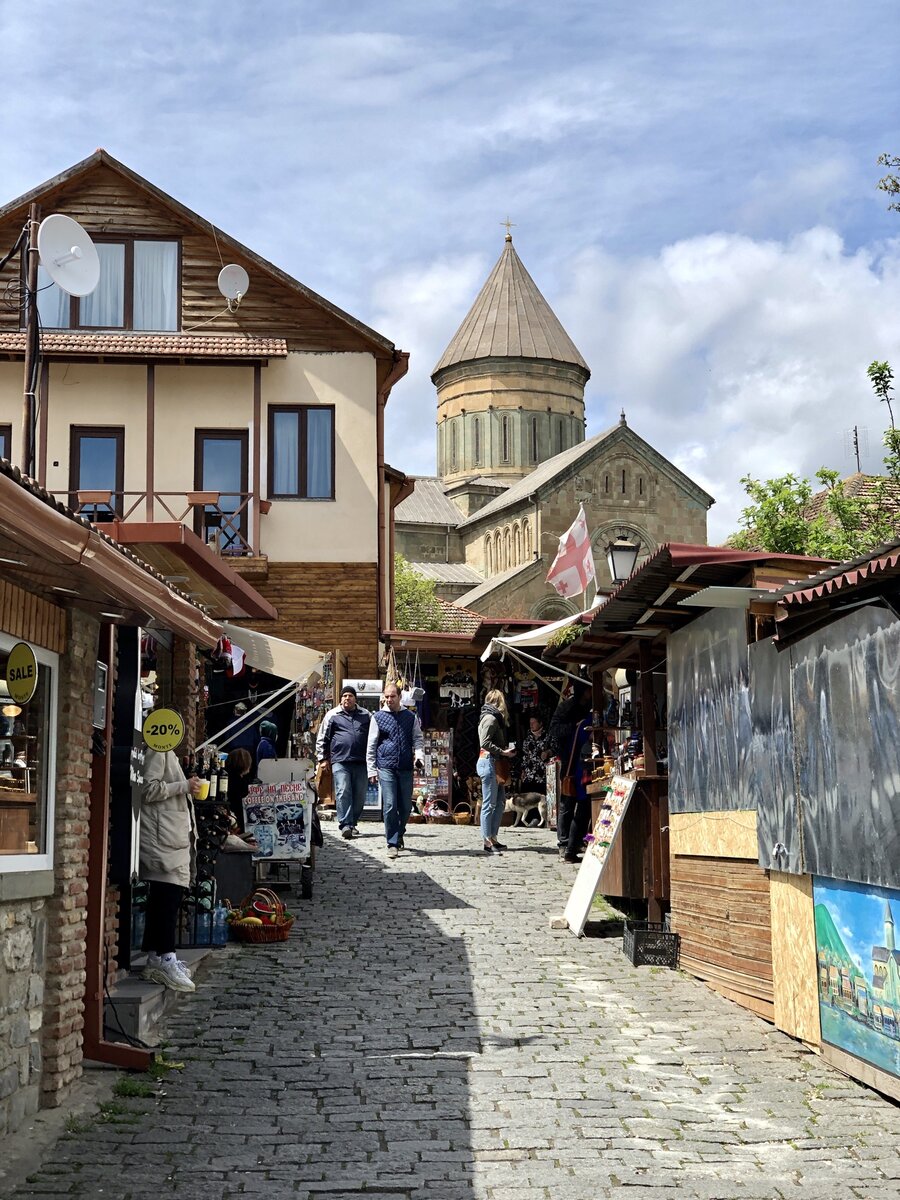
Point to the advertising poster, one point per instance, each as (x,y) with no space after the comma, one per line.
(278,817)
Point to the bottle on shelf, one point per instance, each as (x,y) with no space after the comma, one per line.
(219,924)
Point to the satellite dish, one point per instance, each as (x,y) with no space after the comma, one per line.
(233,281)
(68,255)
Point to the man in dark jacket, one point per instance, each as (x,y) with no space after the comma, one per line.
(573,815)
(395,745)
(341,741)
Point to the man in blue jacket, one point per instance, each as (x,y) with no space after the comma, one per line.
(395,745)
(341,741)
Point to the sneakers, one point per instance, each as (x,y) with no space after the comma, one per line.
(169,972)
(490,848)
(354,832)
(498,845)
(572,858)
(347,833)
(400,845)
(393,852)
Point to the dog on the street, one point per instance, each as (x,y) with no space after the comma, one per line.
(524,803)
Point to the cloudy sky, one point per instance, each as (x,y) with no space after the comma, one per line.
(692,186)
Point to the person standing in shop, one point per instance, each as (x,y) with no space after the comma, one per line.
(168,834)
(341,742)
(568,739)
(492,768)
(266,748)
(395,746)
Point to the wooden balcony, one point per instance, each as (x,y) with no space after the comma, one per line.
(223,521)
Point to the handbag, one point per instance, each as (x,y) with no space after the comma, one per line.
(568,783)
(503,770)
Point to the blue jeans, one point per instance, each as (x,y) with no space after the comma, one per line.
(493,797)
(396,801)
(350,781)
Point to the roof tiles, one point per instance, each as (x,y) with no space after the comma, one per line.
(148,345)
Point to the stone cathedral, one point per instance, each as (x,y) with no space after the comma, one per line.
(514,462)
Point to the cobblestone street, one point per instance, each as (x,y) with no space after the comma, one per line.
(424,1035)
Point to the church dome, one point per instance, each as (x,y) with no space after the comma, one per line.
(510,319)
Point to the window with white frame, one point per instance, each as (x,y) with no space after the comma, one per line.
(27,776)
(138,289)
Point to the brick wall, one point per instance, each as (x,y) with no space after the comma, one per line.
(64,978)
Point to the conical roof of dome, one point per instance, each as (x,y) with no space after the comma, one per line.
(510,319)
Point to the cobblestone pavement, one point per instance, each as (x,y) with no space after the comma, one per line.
(424,1035)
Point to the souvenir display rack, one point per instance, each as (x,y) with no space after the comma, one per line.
(434,782)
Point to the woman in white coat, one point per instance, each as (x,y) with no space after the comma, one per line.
(166,862)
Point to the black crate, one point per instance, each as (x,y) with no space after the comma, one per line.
(647,943)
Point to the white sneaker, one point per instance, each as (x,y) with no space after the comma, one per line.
(171,974)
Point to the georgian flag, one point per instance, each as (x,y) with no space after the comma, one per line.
(573,566)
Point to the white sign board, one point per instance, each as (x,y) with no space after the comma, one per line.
(606,830)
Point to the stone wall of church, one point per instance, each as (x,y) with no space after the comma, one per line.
(501,418)
(427,543)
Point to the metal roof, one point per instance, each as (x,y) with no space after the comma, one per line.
(510,319)
(485,588)
(442,572)
(428,505)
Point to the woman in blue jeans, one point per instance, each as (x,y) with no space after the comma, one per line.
(493,740)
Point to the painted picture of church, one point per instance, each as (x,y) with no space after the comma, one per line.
(859,970)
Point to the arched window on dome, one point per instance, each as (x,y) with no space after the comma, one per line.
(560,437)
(453,449)
(534,439)
(488,555)
(504,438)
(476,439)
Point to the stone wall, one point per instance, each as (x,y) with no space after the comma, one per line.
(23,937)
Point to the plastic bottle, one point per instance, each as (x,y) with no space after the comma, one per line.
(220,925)
(204,927)
(138,921)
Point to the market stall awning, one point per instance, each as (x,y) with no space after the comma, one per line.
(541,634)
(287,660)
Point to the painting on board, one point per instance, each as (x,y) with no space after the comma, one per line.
(858,962)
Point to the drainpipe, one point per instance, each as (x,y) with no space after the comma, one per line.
(398,369)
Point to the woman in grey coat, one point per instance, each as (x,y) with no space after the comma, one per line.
(166,862)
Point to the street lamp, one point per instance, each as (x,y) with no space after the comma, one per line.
(621,557)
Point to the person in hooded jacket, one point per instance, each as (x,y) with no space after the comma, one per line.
(168,834)
(494,745)
(569,737)
(268,732)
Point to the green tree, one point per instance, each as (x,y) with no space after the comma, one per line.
(415,604)
(890,183)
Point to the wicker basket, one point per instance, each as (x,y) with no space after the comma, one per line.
(415,818)
(261,934)
(440,818)
(462,814)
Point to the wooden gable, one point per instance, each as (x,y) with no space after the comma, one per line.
(107,198)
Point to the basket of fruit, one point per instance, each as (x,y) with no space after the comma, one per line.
(261,917)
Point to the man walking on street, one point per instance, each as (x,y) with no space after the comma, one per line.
(341,741)
(395,745)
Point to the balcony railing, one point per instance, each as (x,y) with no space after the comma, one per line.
(222,520)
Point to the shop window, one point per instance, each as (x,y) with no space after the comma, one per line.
(301,452)
(220,465)
(5,441)
(138,289)
(97,466)
(27,754)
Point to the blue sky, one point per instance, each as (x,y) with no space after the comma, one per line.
(692,186)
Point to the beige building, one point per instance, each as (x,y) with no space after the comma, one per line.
(254,429)
(514,465)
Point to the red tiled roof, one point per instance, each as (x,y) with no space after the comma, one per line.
(457,619)
(857,487)
(148,345)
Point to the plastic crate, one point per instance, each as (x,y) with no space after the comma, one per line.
(647,943)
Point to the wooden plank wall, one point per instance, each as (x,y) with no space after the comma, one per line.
(31,618)
(721,908)
(326,605)
(105,203)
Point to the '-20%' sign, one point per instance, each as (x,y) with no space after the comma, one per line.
(163,729)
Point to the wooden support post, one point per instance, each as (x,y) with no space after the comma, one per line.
(30,255)
(655,893)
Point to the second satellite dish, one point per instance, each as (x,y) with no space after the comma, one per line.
(68,255)
(233,282)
